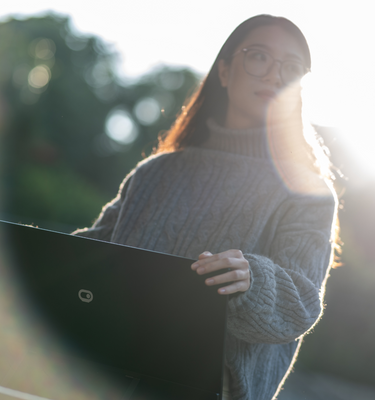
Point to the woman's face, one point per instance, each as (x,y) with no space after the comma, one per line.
(250,98)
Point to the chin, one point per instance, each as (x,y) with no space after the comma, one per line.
(284,107)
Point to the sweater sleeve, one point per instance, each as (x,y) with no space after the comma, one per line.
(285,296)
(104,225)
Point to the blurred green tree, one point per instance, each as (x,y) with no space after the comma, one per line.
(72,129)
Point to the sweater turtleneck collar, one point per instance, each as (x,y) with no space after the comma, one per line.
(247,142)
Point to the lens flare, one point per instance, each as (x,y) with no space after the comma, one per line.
(288,138)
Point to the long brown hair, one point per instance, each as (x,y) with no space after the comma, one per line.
(210,100)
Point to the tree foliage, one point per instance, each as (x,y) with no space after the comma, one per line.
(59,90)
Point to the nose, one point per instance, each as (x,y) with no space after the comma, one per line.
(274,74)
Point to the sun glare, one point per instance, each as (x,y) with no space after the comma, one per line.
(346,107)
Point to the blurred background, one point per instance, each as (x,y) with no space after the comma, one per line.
(86,89)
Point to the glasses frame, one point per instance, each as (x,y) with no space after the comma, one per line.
(275,60)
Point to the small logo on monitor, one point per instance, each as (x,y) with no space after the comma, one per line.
(85,295)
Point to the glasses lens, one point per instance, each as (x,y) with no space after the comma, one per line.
(292,71)
(257,63)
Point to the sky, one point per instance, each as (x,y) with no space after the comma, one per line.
(339,92)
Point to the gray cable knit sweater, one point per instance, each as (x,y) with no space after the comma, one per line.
(228,194)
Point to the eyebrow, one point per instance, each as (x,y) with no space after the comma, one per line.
(264,46)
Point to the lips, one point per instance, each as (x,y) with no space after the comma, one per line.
(266,94)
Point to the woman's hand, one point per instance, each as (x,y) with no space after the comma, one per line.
(239,276)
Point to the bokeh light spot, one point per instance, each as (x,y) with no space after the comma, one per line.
(42,48)
(121,127)
(171,80)
(147,111)
(100,75)
(45,49)
(39,76)
(75,43)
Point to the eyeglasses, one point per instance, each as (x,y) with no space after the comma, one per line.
(259,63)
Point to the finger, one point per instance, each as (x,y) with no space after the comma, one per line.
(235,287)
(232,276)
(203,255)
(218,264)
(226,254)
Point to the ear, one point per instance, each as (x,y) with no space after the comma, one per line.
(223,70)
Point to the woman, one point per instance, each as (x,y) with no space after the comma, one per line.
(235,185)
